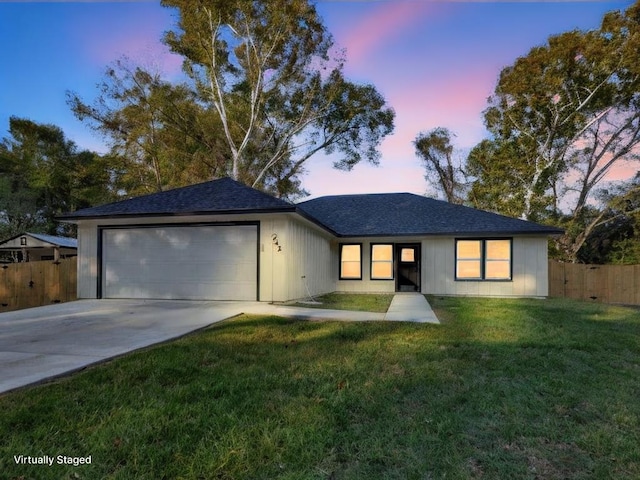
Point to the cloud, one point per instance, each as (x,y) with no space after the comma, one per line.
(379,25)
(450,101)
(128,30)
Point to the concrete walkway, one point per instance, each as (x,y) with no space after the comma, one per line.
(410,307)
(405,307)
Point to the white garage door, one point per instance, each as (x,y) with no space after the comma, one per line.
(196,263)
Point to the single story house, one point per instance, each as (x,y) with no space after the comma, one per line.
(34,247)
(222,240)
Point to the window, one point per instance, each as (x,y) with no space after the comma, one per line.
(381,262)
(407,255)
(497,260)
(350,261)
(483,259)
(469,259)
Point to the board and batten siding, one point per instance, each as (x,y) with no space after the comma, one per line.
(87,259)
(530,275)
(366,285)
(305,250)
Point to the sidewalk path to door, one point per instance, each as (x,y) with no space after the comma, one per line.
(405,307)
(410,307)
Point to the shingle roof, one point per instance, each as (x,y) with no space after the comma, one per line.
(395,214)
(217,196)
(382,214)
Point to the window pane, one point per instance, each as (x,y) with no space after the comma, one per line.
(498,269)
(382,270)
(350,261)
(350,253)
(407,255)
(469,248)
(382,252)
(498,249)
(468,269)
(350,270)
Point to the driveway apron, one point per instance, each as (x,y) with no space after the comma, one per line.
(44,342)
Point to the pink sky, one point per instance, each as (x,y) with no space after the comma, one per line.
(383,21)
(435,63)
(452,93)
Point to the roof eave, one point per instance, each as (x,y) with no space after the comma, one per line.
(514,233)
(315,221)
(75,218)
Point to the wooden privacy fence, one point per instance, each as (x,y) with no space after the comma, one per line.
(600,283)
(33,284)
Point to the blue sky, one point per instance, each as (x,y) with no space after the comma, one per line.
(435,62)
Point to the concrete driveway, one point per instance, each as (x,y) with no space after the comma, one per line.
(39,343)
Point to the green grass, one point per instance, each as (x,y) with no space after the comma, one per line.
(503,389)
(353,301)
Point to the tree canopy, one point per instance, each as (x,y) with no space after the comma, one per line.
(561,118)
(42,174)
(443,171)
(264,92)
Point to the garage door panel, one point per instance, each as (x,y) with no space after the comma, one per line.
(224,291)
(202,263)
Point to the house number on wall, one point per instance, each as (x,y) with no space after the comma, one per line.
(274,238)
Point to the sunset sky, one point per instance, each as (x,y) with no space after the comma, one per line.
(435,62)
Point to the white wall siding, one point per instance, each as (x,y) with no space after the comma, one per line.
(437,259)
(438,269)
(305,250)
(366,285)
(87,259)
(530,277)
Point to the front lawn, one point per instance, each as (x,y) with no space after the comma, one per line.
(363,302)
(503,389)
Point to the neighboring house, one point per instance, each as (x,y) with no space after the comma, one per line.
(222,240)
(33,247)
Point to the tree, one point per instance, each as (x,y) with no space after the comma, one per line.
(561,118)
(616,239)
(260,75)
(159,133)
(43,175)
(500,181)
(444,172)
(262,96)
